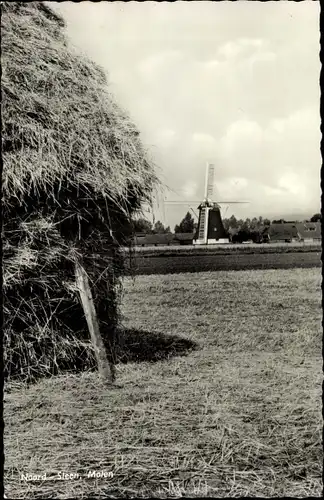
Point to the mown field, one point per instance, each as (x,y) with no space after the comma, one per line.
(238,415)
(224,249)
(167,260)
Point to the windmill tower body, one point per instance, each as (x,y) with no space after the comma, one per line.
(210,225)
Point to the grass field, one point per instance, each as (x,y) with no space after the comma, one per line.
(229,248)
(239,415)
(186,259)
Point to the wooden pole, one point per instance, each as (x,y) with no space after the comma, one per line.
(106,369)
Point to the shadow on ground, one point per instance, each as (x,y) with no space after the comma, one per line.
(54,357)
(140,345)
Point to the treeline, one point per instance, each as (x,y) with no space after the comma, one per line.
(146,227)
(255,229)
(187,225)
(233,226)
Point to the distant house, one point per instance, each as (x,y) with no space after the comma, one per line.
(142,239)
(283,232)
(153,239)
(294,231)
(309,231)
(140,235)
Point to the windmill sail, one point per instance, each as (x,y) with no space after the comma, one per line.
(210,180)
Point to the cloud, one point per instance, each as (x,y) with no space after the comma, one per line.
(302,122)
(211,65)
(290,195)
(233,84)
(159,63)
(165,137)
(266,153)
(203,138)
(291,183)
(239,47)
(189,190)
(242,131)
(203,141)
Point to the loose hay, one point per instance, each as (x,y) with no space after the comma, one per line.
(74,173)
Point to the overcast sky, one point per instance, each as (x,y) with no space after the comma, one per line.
(235,84)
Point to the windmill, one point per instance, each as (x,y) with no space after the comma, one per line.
(210,225)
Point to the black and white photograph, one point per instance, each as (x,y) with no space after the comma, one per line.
(161,249)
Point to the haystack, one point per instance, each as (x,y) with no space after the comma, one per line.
(74,172)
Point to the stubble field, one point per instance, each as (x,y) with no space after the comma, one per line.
(238,415)
(229,257)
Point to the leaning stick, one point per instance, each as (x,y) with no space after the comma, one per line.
(106,369)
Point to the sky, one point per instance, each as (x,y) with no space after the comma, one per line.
(235,84)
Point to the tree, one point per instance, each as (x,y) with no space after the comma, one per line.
(255,223)
(232,222)
(226,224)
(159,228)
(246,225)
(186,225)
(240,223)
(143,226)
(316,218)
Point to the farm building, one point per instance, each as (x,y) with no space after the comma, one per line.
(74,172)
(153,239)
(184,238)
(309,231)
(163,239)
(283,232)
(294,231)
